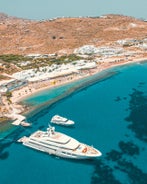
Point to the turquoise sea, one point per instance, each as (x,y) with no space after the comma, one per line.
(110,111)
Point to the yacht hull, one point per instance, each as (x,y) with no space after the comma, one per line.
(60,153)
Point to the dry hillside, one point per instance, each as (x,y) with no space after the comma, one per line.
(19,36)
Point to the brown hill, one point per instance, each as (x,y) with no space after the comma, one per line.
(19,36)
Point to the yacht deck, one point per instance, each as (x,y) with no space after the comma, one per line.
(56,138)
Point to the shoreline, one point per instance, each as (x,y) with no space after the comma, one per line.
(37,87)
(19,95)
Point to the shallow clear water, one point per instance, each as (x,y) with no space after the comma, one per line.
(110,115)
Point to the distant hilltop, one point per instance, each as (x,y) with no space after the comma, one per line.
(5,19)
(63,35)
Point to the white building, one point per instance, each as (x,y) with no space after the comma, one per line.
(3,89)
(86,49)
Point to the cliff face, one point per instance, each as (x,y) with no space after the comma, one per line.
(19,36)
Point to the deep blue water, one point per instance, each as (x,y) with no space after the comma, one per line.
(111,115)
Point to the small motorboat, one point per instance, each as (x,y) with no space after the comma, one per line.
(59,120)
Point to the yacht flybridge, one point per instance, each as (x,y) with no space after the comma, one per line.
(61,120)
(59,144)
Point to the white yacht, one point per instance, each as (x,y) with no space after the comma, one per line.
(61,121)
(59,144)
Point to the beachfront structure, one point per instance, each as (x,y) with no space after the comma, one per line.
(86,50)
(129,42)
(24,63)
(145,40)
(101,51)
(54,71)
(3,89)
(35,56)
(109,51)
(144,46)
(12,84)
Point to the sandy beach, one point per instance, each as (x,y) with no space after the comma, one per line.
(14,109)
(32,88)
